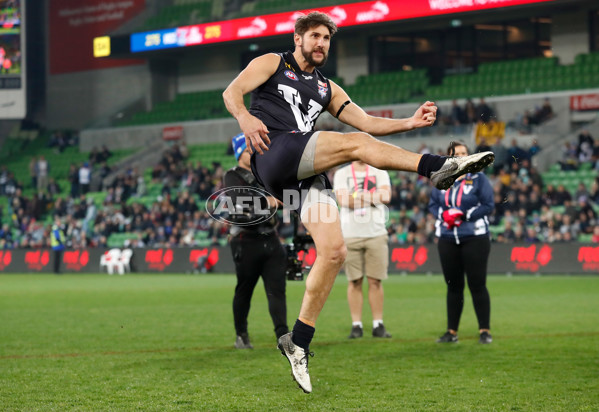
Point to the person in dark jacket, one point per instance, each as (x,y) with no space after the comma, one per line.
(257,252)
(462,228)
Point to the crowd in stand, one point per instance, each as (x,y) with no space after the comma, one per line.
(523,205)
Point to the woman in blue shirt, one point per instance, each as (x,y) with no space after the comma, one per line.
(462,228)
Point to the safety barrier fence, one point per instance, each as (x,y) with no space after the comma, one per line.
(565,258)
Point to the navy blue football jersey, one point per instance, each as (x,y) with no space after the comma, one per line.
(291,99)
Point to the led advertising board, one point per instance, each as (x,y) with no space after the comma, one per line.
(344,15)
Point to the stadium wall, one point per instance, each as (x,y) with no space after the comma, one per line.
(76,100)
(221,130)
(537,258)
(568,36)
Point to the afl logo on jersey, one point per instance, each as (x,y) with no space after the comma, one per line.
(291,75)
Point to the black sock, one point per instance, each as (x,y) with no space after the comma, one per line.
(302,334)
(430,163)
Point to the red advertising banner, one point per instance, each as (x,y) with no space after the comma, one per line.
(5,259)
(538,258)
(172,133)
(73,24)
(37,260)
(351,14)
(584,102)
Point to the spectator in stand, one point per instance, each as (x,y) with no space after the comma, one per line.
(85,177)
(94,156)
(516,153)
(457,117)
(483,146)
(562,195)
(483,111)
(534,148)
(470,111)
(595,238)
(104,154)
(73,178)
(569,157)
(42,172)
(501,155)
(53,188)
(33,172)
(585,137)
(531,235)
(544,113)
(523,123)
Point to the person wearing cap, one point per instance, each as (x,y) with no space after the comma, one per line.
(257,252)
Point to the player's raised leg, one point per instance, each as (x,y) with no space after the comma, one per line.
(334,149)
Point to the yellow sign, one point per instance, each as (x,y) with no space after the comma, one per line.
(491,132)
(213,32)
(102,46)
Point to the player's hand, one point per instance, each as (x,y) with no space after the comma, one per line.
(425,115)
(255,132)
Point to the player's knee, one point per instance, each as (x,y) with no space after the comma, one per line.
(355,142)
(335,253)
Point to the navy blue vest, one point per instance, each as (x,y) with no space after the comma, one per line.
(291,99)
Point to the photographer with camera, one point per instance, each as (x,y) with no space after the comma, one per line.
(257,252)
(362,191)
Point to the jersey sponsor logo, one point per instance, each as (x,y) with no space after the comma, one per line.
(307,77)
(468,189)
(291,75)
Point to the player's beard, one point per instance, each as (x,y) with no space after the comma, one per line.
(308,56)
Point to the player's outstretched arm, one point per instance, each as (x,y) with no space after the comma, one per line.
(355,116)
(255,74)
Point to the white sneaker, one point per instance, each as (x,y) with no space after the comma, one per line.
(455,167)
(298,359)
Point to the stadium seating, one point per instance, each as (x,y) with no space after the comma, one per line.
(369,90)
(520,76)
(182,13)
(492,79)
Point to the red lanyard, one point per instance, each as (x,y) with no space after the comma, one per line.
(364,185)
(460,192)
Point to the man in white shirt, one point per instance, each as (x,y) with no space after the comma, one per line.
(362,192)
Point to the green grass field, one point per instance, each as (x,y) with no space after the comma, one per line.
(165,342)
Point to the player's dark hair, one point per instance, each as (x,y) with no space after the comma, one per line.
(313,19)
